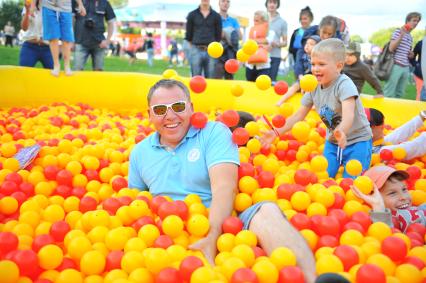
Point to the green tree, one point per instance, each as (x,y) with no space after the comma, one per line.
(10,10)
(118,3)
(381,37)
(356,38)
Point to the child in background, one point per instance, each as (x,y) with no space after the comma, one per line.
(390,200)
(398,137)
(260,33)
(358,71)
(337,102)
(305,61)
(57,25)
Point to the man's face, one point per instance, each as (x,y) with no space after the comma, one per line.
(272,6)
(173,125)
(413,22)
(395,195)
(205,2)
(224,5)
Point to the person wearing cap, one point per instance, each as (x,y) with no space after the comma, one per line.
(390,201)
(358,71)
(399,137)
(303,62)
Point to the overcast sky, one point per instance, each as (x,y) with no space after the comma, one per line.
(363,17)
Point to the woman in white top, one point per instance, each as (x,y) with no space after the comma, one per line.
(34,48)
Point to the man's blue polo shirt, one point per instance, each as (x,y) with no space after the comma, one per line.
(230,22)
(183,170)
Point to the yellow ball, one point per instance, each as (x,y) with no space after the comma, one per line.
(141,274)
(9,205)
(53,213)
(399,153)
(310,237)
(354,167)
(50,257)
(325,197)
(301,131)
(11,164)
(253,129)
(198,225)
(172,226)
(263,82)
(225,242)
(9,271)
(237,90)
(316,208)
(169,73)
(69,276)
(250,47)
(254,145)
(308,83)
(92,262)
(265,271)
(364,184)
(329,263)
(78,246)
(379,230)
(319,163)
(407,273)
(149,233)
(242,56)
(156,259)
(286,109)
(203,274)
(282,257)
(242,202)
(300,201)
(246,237)
(7,149)
(351,237)
(132,260)
(115,239)
(215,49)
(384,262)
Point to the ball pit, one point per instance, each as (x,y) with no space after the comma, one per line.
(70,217)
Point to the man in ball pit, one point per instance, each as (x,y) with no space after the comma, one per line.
(179,160)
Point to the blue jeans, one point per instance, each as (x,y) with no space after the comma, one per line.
(360,151)
(202,62)
(31,53)
(150,54)
(423,93)
(82,53)
(275,64)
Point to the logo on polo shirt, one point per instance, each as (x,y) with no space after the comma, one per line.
(193,155)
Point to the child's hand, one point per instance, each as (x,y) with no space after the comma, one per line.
(82,10)
(268,138)
(375,200)
(341,138)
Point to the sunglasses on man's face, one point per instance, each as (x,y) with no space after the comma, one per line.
(161,109)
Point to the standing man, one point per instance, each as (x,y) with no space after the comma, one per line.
(89,33)
(9,32)
(203,26)
(179,159)
(231,34)
(401,44)
(279,26)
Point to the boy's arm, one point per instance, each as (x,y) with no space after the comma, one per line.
(372,79)
(291,91)
(348,109)
(404,132)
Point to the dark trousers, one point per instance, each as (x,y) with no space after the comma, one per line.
(275,64)
(252,74)
(9,41)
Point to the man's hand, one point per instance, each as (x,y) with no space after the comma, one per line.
(375,200)
(104,43)
(82,10)
(207,246)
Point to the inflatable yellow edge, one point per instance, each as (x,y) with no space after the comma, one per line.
(124,92)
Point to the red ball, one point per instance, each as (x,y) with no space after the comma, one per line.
(328,225)
(370,273)
(340,215)
(163,241)
(27,189)
(188,265)
(8,188)
(64,177)
(59,229)
(167,208)
(417,262)
(156,202)
(266,179)
(285,191)
(232,224)
(395,248)
(199,120)
(8,242)
(347,255)
(414,172)
(41,241)
(352,225)
(67,263)
(240,136)
(245,169)
(301,221)
(386,155)
(113,260)
(244,275)
(197,84)
(339,201)
(258,251)
(327,241)
(182,209)
(231,66)
(142,222)
(111,205)
(27,261)
(281,87)
(118,183)
(302,177)
(346,184)
(14,177)
(168,275)
(230,118)
(87,204)
(362,218)
(278,121)
(63,190)
(418,228)
(291,274)
(50,172)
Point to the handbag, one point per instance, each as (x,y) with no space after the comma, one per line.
(261,56)
(384,63)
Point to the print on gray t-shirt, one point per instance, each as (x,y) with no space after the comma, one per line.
(328,104)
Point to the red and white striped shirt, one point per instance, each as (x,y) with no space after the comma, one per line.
(403,49)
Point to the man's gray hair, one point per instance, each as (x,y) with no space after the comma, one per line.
(332,46)
(168,84)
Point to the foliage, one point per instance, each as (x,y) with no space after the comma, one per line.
(382,36)
(118,3)
(130,30)
(357,38)
(10,10)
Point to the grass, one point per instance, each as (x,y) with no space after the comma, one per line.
(10,56)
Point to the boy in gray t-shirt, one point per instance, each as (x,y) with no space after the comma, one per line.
(336,101)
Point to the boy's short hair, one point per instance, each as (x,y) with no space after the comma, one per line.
(333,46)
(375,117)
(413,15)
(381,174)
